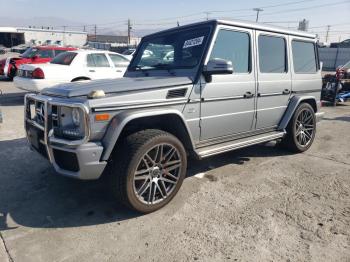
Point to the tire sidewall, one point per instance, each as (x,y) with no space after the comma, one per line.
(302,107)
(132,198)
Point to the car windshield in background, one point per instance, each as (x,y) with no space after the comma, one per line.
(29,53)
(64,58)
(174,50)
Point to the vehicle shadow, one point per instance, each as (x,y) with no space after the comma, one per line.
(340,118)
(32,195)
(12,99)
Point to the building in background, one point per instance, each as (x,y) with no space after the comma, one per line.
(112,42)
(13,36)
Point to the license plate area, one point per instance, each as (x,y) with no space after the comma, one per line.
(35,137)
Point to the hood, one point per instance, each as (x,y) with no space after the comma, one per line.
(126,84)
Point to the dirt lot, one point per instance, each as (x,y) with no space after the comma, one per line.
(256,204)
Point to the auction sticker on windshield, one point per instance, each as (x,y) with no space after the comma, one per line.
(193,42)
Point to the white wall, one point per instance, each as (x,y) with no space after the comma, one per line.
(41,36)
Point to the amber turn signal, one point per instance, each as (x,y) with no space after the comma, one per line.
(101,117)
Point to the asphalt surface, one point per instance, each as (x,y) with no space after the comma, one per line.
(256,204)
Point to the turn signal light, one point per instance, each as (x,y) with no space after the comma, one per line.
(102,117)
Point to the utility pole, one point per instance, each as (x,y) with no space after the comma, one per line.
(258,10)
(327,34)
(84,28)
(207,13)
(95,29)
(129,31)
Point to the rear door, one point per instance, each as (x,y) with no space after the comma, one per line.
(99,66)
(274,78)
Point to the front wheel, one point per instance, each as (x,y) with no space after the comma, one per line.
(301,129)
(147,170)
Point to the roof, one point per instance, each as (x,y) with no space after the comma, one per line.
(89,51)
(53,47)
(26,29)
(108,38)
(246,24)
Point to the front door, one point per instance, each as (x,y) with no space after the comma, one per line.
(274,78)
(228,101)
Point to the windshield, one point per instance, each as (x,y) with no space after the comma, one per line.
(347,65)
(174,50)
(30,53)
(64,58)
(129,52)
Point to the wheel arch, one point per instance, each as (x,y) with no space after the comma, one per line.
(293,105)
(79,78)
(125,123)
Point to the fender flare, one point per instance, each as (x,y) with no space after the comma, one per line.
(292,106)
(119,121)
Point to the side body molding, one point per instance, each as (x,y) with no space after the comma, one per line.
(120,120)
(292,106)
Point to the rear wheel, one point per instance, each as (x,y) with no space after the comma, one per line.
(301,129)
(147,170)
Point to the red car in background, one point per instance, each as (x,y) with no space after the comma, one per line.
(33,55)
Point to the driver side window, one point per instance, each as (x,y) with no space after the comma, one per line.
(233,46)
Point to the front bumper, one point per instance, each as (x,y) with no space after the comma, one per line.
(75,160)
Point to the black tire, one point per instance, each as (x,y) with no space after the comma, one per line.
(130,154)
(293,141)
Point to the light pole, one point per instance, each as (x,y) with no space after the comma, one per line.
(258,10)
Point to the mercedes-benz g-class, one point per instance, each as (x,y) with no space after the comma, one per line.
(206,88)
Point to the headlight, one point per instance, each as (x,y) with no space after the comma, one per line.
(76,117)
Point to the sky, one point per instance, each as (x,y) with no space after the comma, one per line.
(153,15)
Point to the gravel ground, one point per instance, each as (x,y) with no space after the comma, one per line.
(256,204)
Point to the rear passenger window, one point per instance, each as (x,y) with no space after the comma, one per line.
(235,47)
(97,60)
(45,53)
(304,57)
(272,54)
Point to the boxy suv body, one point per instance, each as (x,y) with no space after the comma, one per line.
(208,88)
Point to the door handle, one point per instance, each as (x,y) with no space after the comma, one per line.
(248,95)
(286,91)
(119,71)
(92,71)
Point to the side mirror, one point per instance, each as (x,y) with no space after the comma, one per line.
(35,57)
(217,66)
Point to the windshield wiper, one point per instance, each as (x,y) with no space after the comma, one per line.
(164,66)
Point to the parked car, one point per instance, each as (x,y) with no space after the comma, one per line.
(33,55)
(20,48)
(343,44)
(3,49)
(71,66)
(231,84)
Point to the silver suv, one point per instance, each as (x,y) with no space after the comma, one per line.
(207,88)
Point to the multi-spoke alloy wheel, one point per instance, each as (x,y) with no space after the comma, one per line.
(305,127)
(157,173)
(147,169)
(301,129)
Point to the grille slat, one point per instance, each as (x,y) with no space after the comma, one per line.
(176,93)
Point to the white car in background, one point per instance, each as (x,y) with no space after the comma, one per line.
(71,66)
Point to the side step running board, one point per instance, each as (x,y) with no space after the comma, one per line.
(239,143)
